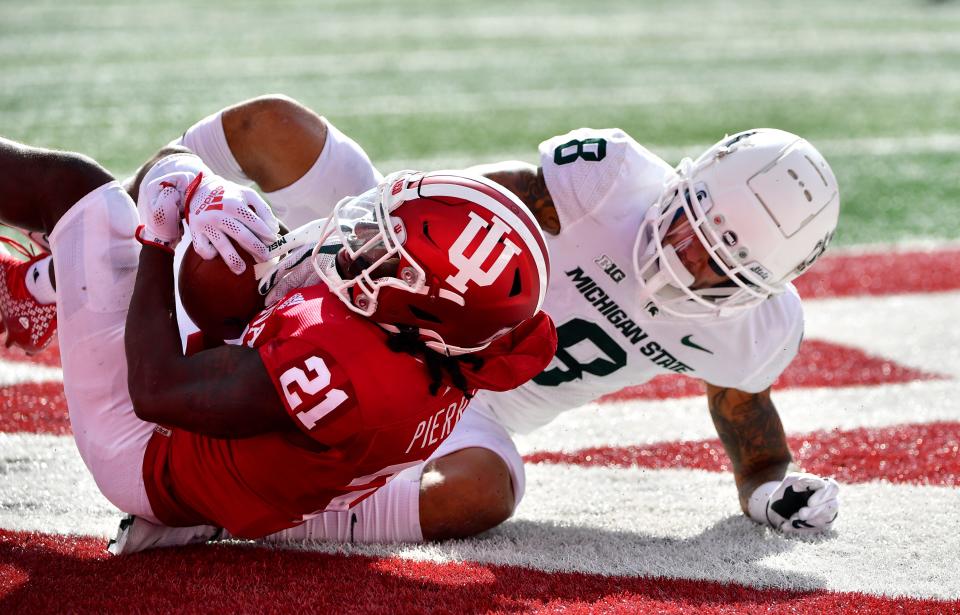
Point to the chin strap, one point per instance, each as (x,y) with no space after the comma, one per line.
(308,234)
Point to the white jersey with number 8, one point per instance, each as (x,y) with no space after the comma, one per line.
(602,183)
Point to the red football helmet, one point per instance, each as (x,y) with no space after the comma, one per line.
(452,255)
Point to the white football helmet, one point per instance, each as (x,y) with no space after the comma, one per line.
(763,205)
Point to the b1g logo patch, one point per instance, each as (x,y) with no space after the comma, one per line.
(610,268)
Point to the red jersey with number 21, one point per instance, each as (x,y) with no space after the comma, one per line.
(363,414)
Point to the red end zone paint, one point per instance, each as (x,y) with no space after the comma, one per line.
(54,574)
(919,454)
(882,274)
(819,364)
(34,407)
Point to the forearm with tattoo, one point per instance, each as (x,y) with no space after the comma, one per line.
(752,435)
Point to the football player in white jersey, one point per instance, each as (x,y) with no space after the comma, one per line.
(657,270)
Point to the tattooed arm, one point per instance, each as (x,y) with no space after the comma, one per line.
(526,181)
(752,434)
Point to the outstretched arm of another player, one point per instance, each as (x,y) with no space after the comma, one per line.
(273,139)
(771,490)
(527,182)
(222,392)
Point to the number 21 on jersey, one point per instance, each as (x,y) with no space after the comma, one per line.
(297,382)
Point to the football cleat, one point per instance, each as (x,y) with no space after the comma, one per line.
(39,238)
(29,324)
(136,534)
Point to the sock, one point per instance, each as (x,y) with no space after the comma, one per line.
(38,281)
(392,515)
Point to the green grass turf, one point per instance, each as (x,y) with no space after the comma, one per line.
(423,82)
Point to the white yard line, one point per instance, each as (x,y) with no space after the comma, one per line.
(45,487)
(894,539)
(15,372)
(918,330)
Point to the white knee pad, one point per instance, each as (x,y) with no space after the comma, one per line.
(342,169)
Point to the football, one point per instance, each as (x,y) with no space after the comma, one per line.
(219,302)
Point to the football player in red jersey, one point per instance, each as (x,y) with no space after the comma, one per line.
(591,194)
(318,407)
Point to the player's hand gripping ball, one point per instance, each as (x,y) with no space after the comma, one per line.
(220,302)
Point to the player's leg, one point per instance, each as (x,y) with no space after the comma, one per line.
(38,187)
(95,256)
(465,493)
(471,484)
(90,221)
(474,481)
(299,159)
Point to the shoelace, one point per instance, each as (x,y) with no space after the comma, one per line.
(16,245)
(16,282)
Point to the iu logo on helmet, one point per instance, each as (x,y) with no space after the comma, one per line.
(470,268)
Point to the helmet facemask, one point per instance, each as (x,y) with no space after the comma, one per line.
(683,267)
(368,247)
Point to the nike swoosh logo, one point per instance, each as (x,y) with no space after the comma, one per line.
(686,341)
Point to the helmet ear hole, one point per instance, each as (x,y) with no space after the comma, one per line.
(517,287)
(426,233)
(423,314)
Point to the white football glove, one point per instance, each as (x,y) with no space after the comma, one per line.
(799,504)
(160,207)
(218,210)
